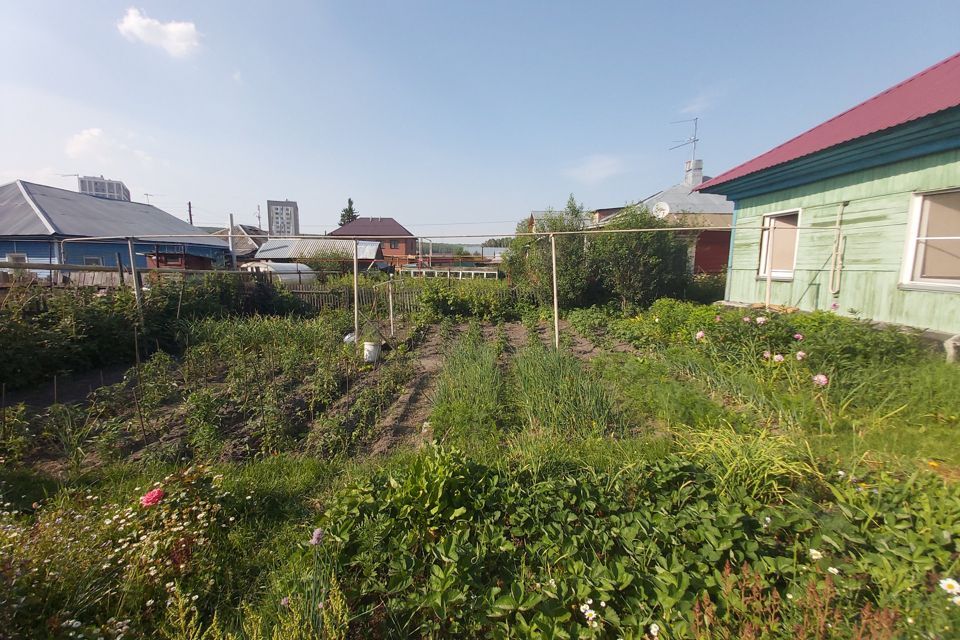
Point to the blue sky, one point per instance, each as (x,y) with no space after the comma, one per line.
(453,117)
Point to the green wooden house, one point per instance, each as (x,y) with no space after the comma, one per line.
(860,214)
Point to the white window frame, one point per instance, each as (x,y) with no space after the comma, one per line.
(907,280)
(98,263)
(766,218)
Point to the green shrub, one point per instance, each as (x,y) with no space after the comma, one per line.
(48,333)
(483,299)
(447,546)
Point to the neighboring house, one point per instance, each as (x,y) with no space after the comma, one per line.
(861,213)
(283,218)
(683,205)
(103,188)
(399,245)
(247,240)
(41,224)
(300,249)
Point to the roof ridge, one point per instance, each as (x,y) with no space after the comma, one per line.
(915,77)
(44,218)
(912,78)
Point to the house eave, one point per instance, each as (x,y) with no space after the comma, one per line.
(933,134)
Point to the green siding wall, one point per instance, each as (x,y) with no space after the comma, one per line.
(875,227)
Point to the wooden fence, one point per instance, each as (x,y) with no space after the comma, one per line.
(405,300)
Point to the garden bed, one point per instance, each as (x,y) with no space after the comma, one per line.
(658,477)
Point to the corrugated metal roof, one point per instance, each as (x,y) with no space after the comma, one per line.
(28,209)
(298,248)
(378,227)
(247,239)
(681,198)
(930,91)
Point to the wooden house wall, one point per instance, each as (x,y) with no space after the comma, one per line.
(875,227)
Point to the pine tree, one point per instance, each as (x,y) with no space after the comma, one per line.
(348,214)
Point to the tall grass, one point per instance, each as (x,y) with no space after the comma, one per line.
(553,393)
(470,391)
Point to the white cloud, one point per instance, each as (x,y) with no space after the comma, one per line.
(596,168)
(80,144)
(93,145)
(179,39)
(701,102)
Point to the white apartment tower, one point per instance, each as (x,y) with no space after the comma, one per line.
(104,188)
(283,218)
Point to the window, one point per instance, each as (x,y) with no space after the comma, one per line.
(394,244)
(92,261)
(779,234)
(19,258)
(932,257)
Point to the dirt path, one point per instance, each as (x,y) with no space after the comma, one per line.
(580,347)
(515,333)
(406,420)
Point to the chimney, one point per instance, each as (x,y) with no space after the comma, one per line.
(693,173)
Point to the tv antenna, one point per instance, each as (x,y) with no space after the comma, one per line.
(692,140)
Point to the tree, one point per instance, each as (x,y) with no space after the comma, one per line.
(497,242)
(348,213)
(637,268)
(528,260)
(329,262)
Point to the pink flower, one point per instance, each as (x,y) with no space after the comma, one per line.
(761,319)
(798,336)
(821,380)
(151,498)
(778,358)
(700,335)
(747,319)
(766,355)
(801,355)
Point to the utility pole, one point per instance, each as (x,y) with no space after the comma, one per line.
(190,211)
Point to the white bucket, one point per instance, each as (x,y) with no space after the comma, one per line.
(371,351)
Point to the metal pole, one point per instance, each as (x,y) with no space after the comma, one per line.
(233,255)
(769,256)
(137,293)
(390,303)
(556,306)
(356,296)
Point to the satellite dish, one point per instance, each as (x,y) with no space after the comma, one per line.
(661,209)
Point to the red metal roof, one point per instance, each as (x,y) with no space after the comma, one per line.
(378,227)
(928,92)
